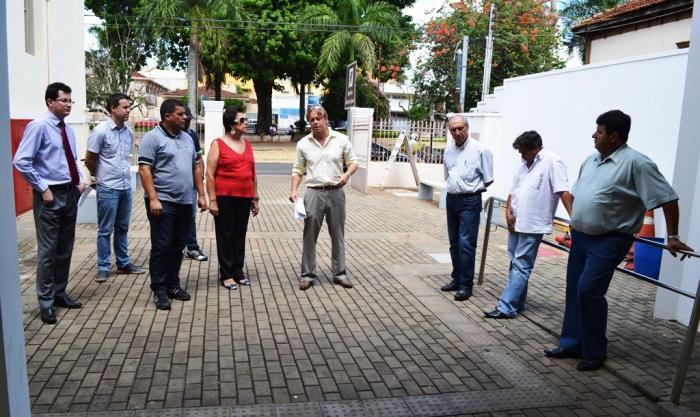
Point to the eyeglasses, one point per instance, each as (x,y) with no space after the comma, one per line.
(241,121)
(65,101)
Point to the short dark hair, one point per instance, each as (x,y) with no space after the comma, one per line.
(53,89)
(528,140)
(615,121)
(229,117)
(169,106)
(114,99)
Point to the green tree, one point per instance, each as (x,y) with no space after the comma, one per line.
(202,29)
(123,49)
(269,49)
(358,25)
(574,12)
(525,42)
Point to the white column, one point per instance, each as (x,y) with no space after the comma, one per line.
(14,386)
(360,133)
(213,127)
(686,274)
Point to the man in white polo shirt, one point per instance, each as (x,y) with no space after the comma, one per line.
(538,185)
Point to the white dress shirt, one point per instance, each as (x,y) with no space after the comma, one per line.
(468,168)
(534,194)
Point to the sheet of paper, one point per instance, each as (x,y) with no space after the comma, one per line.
(299,209)
(84,195)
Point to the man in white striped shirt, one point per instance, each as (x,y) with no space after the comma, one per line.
(538,185)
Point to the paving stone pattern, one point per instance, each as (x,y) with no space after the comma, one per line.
(394,345)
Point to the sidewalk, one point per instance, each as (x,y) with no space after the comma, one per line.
(394,345)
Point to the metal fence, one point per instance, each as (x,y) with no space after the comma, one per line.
(427,139)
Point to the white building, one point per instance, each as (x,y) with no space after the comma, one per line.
(636,27)
(45,44)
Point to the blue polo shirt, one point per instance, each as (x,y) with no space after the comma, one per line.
(172,159)
(611,195)
(112,145)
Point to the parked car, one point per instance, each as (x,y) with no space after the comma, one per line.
(146,123)
(252,126)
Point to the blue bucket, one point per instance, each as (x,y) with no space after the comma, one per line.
(647,258)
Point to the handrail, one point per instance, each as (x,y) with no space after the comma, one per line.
(687,350)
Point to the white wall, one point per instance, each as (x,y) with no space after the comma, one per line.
(642,41)
(59,56)
(685,180)
(400,175)
(563,105)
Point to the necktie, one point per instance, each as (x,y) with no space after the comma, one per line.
(74,177)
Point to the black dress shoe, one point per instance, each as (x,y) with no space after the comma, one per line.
(496,314)
(66,302)
(452,286)
(463,294)
(585,365)
(559,353)
(48,315)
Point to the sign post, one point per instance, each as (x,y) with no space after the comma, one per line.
(350,82)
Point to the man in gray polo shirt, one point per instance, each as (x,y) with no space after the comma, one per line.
(615,186)
(107,158)
(168,169)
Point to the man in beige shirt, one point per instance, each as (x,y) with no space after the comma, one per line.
(321,156)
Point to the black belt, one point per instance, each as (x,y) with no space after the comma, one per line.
(326,187)
(62,187)
(465,194)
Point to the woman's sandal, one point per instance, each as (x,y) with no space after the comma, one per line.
(230,287)
(244,282)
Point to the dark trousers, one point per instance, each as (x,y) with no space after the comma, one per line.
(231,225)
(592,262)
(463,211)
(168,235)
(55,234)
(192,235)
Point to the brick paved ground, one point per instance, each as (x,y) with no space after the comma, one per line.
(392,346)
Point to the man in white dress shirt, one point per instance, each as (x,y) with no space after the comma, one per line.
(538,185)
(468,171)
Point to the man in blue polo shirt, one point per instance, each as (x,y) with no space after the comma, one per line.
(168,169)
(615,186)
(107,158)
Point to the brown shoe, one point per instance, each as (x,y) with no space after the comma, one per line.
(343,282)
(306,283)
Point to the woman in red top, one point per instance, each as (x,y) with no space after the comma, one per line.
(233,194)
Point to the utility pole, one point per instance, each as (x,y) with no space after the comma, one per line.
(488,56)
(461,59)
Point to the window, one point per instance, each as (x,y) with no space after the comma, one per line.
(29,46)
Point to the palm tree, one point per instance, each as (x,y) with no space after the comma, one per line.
(204,31)
(357,25)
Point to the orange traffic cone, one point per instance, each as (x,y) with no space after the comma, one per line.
(647,230)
